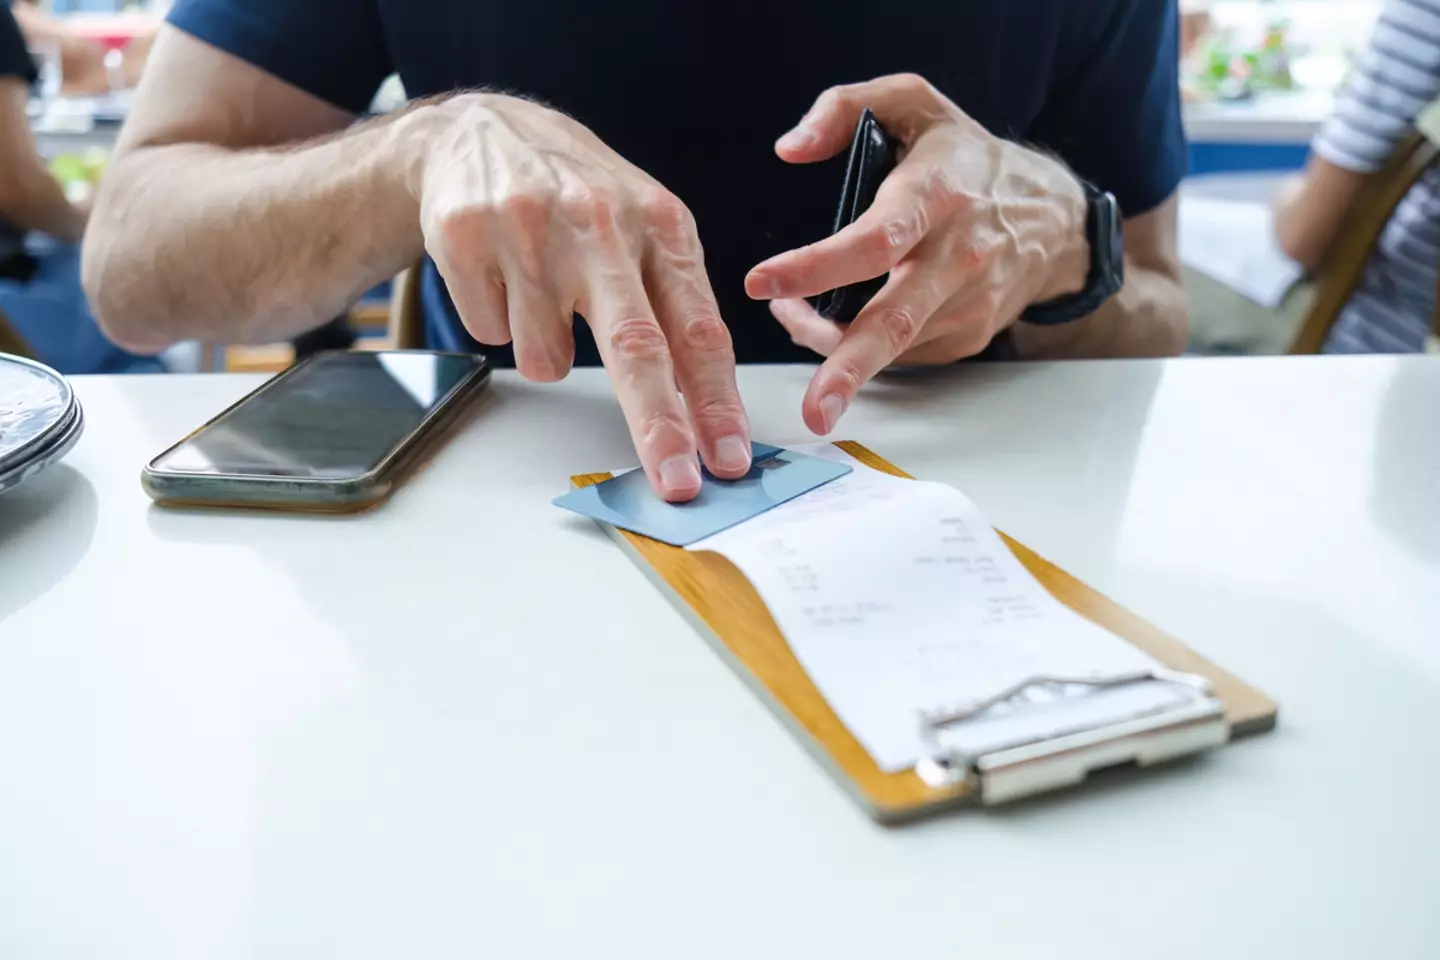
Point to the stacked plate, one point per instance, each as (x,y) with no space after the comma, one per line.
(40,419)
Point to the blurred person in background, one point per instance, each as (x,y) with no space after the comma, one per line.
(1396,77)
(83,65)
(40,294)
(1196,23)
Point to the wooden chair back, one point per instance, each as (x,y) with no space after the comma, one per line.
(1340,274)
(406,329)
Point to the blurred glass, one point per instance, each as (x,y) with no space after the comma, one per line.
(115,69)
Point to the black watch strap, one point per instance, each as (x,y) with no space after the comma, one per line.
(1107,265)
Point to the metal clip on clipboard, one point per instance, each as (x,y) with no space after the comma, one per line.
(1041,766)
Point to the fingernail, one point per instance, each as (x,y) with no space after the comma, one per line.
(797,138)
(830,410)
(759,285)
(679,475)
(732,454)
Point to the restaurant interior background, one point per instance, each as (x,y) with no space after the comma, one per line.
(1258,78)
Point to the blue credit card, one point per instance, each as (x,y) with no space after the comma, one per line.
(629,502)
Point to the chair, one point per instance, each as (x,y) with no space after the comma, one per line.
(1343,267)
(406,328)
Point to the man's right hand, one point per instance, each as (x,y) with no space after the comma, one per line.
(531,219)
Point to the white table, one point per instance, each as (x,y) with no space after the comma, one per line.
(465,726)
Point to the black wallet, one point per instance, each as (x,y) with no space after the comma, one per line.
(872,157)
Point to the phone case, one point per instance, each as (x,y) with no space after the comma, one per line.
(872,157)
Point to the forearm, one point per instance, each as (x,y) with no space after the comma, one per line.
(31,199)
(29,196)
(1147,318)
(199,241)
(1310,211)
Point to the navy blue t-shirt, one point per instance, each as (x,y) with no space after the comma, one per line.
(15,63)
(14,58)
(696,93)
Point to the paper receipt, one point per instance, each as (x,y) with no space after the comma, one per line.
(900,599)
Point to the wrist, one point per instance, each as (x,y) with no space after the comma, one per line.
(429,128)
(1067,267)
(412,139)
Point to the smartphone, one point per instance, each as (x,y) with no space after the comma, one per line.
(334,433)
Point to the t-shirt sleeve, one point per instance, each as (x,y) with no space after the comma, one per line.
(1113,110)
(14,57)
(334,49)
(1396,77)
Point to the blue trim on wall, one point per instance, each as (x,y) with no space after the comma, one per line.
(1237,157)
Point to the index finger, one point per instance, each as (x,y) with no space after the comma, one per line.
(883,331)
(702,351)
(870,247)
(637,357)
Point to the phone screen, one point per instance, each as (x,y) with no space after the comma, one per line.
(334,417)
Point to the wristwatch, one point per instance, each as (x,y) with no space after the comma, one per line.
(1107,264)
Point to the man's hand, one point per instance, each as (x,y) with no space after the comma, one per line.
(971,228)
(531,219)
(527,213)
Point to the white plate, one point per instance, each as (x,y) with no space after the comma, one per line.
(45,456)
(36,405)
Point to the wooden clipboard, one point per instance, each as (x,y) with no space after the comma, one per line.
(725,608)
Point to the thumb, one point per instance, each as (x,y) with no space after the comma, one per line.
(904,103)
(826,129)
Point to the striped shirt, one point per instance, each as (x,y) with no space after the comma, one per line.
(1396,78)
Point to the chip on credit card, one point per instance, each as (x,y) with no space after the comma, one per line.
(630,503)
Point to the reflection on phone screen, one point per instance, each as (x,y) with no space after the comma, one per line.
(337,416)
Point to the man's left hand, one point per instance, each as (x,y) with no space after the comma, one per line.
(971,228)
